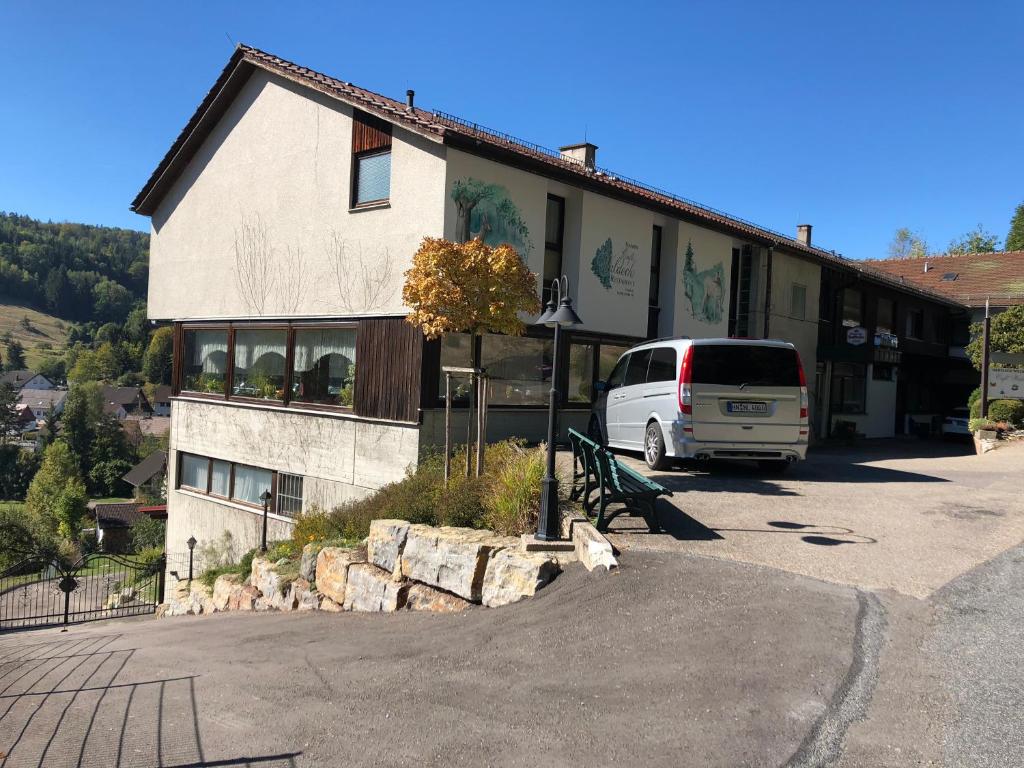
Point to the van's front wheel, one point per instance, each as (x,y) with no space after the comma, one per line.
(654,448)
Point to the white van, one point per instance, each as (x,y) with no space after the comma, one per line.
(705,399)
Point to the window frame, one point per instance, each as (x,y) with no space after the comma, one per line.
(844,322)
(286,401)
(557,246)
(915,312)
(230,498)
(357,157)
(793,289)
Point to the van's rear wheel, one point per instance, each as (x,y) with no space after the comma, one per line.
(654,448)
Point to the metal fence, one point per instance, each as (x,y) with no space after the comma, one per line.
(99,586)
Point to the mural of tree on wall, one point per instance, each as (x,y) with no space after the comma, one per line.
(487,213)
(705,290)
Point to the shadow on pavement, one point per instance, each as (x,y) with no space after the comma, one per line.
(65,703)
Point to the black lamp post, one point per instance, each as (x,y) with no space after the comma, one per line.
(557,314)
(265,498)
(191,545)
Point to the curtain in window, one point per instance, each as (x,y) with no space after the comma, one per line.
(209,351)
(263,349)
(324,367)
(194,471)
(220,482)
(314,344)
(250,483)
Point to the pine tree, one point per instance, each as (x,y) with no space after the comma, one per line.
(1015,237)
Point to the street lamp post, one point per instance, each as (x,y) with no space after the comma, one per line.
(265,498)
(557,314)
(191,546)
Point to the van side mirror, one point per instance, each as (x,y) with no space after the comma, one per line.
(600,386)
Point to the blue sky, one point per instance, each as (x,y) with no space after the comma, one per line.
(856,119)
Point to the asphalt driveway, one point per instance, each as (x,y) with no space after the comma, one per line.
(908,516)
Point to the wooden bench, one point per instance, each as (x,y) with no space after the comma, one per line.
(596,468)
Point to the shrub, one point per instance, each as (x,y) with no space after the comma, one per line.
(512,501)
(977,424)
(148,532)
(1010,411)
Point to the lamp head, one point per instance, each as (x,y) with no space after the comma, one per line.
(265,496)
(565,315)
(191,542)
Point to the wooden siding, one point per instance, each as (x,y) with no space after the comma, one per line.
(369,132)
(389,359)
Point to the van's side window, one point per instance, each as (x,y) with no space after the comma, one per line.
(637,371)
(663,365)
(618,373)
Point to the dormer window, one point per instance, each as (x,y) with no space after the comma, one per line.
(371,160)
(949,277)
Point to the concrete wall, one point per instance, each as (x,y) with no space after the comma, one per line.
(340,457)
(279,165)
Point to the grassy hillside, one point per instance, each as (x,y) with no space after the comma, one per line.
(45,337)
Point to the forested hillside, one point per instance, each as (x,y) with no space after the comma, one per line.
(76,272)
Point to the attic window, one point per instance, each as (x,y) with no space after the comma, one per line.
(949,277)
(371,160)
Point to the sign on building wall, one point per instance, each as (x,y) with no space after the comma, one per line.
(1005,384)
(856,336)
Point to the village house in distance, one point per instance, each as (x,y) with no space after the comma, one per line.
(283,219)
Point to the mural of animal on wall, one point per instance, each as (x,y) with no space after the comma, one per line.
(486,212)
(705,290)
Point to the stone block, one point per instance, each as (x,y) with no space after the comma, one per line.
(307,565)
(223,588)
(326,604)
(244,599)
(305,598)
(332,566)
(514,574)
(592,549)
(452,559)
(421,597)
(385,543)
(372,589)
(200,599)
(265,577)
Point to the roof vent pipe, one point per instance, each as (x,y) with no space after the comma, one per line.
(927,266)
(410,96)
(803,234)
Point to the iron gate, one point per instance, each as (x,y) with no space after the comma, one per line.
(99,586)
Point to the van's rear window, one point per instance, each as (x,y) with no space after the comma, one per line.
(736,364)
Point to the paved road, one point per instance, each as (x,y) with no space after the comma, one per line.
(771,651)
(670,659)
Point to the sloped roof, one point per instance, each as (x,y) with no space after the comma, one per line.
(471,137)
(42,398)
(122,515)
(145,470)
(18,378)
(969,278)
(129,397)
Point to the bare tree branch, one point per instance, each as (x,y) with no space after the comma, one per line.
(362,284)
(254,256)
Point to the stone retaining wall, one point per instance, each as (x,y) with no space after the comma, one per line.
(403,566)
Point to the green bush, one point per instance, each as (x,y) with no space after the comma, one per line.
(148,532)
(512,501)
(978,424)
(1010,411)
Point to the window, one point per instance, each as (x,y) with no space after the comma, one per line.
(636,373)
(885,315)
(608,355)
(851,308)
(618,374)
(204,364)
(519,369)
(241,483)
(883,372)
(915,324)
(371,160)
(581,372)
(373,178)
(798,302)
(848,387)
(250,483)
(324,366)
(289,495)
(322,370)
(655,286)
(220,478)
(194,472)
(554,226)
(260,363)
(456,352)
(663,365)
(735,364)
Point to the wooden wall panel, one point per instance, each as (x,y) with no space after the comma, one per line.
(389,360)
(369,132)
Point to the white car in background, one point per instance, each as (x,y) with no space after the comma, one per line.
(956,424)
(705,399)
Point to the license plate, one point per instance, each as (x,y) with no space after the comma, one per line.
(746,406)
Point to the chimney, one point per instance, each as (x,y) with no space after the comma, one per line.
(927,266)
(803,234)
(410,96)
(585,154)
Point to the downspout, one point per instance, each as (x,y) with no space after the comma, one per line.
(768,291)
